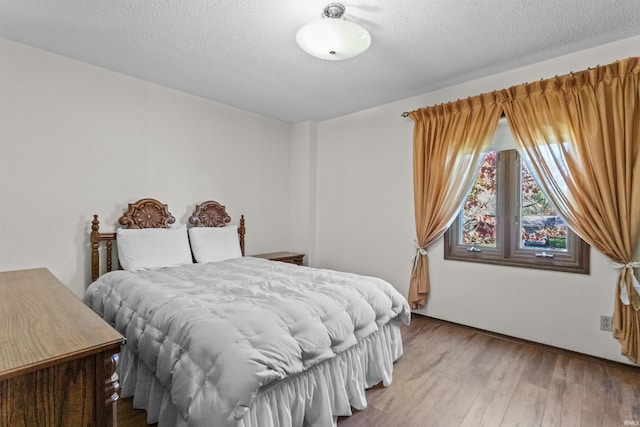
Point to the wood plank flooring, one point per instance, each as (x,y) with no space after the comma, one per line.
(452,375)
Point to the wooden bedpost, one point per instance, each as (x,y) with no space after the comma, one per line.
(109,256)
(241,231)
(95,243)
(96,238)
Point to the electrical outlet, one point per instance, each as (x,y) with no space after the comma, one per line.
(606,323)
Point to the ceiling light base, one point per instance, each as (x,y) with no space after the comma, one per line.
(334,11)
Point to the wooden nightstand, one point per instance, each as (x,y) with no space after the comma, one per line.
(290,257)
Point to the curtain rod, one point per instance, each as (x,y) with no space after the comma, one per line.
(406,114)
(570,73)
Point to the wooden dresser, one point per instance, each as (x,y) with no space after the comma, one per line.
(57,363)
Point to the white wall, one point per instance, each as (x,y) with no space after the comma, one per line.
(77,140)
(303,187)
(365,224)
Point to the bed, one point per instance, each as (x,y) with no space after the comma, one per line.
(222,339)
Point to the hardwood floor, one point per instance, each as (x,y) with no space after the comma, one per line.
(452,375)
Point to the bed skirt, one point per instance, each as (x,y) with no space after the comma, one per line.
(315,397)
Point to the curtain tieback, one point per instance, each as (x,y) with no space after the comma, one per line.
(420,251)
(624,296)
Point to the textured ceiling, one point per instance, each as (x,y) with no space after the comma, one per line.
(243,52)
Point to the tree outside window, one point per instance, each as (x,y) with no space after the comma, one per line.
(506,219)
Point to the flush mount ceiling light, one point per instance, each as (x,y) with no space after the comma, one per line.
(331,37)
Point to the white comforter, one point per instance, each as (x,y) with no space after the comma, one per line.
(215,333)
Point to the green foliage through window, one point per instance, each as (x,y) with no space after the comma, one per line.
(541,227)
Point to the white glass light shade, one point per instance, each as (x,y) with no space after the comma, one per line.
(333,39)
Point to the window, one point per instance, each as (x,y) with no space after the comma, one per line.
(507,220)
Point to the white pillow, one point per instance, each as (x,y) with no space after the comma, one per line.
(211,244)
(147,248)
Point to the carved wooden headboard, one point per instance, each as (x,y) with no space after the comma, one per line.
(213,214)
(147,213)
(150,213)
